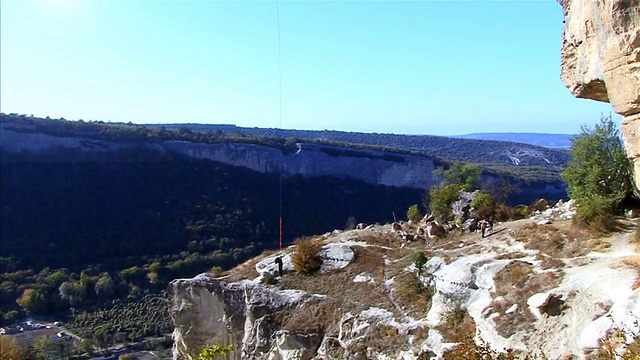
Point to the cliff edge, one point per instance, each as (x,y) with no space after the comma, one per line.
(601,60)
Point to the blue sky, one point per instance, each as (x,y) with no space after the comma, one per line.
(420,67)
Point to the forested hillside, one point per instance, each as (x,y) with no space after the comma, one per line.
(484,152)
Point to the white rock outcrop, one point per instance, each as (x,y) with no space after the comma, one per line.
(208,311)
(601,60)
(513,296)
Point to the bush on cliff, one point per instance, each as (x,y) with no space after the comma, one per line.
(214,352)
(305,259)
(598,176)
(414,214)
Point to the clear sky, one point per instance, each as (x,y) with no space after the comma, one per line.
(419,67)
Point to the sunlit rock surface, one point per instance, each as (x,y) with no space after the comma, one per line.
(601,60)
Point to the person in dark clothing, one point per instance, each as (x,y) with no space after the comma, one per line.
(278,261)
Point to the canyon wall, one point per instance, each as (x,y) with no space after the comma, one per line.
(308,160)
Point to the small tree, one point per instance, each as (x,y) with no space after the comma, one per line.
(413,213)
(419,260)
(34,301)
(598,176)
(45,348)
(441,199)
(105,287)
(484,205)
(467,176)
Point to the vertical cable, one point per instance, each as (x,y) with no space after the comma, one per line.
(280,110)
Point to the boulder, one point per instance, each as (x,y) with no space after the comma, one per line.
(435,230)
(462,207)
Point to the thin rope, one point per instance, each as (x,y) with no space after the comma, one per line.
(280,109)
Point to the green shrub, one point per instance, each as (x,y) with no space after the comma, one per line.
(419,260)
(268,279)
(413,213)
(597,213)
(468,176)
(505,213)
(213,352)
(441,198)
(523,211)
(484,205)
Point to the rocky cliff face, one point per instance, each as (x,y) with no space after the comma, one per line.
(526,283)
(601,60)
(310,160)
(313,160)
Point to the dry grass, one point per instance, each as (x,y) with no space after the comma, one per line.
(385,339)
(548,262)
(635,238)
(515,283)
(305,258)
(457,326)
(412,295)
(552,241)
(380,238)
(419,333)
(511,255)
(339,286)
(216,271)
(613,346)
(318,316)
(246,270)
(369,260)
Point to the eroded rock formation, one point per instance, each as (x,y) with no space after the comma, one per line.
(601,60)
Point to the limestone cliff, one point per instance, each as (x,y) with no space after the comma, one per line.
(601,60)
(310,160)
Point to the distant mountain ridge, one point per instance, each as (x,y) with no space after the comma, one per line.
(552,141)
(480,151)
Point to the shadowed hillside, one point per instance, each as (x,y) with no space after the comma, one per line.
(475,150)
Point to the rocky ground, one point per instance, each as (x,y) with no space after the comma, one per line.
(538,286)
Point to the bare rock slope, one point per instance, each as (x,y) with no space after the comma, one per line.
(601,60)
(530,286)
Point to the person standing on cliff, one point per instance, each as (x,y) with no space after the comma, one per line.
(278,261)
